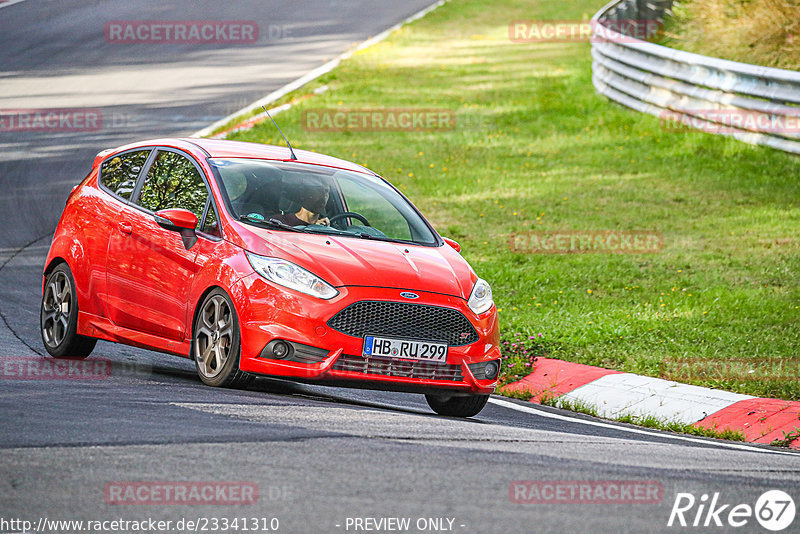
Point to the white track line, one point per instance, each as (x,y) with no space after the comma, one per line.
(312,75)
(663,435)
(9,3)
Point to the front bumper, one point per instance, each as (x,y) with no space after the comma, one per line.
(268,313)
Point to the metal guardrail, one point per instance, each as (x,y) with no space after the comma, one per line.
(757,105)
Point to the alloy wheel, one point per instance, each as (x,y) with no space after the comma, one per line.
(56,309)
(214,336)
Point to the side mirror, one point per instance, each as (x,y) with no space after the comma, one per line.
(179,220)
(452,243)
(176,219)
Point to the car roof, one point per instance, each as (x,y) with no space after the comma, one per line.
(223,148)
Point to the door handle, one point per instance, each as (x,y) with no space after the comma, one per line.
(125,227)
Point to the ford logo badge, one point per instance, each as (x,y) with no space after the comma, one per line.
(409,295)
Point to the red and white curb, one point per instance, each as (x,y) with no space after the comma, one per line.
(614,394)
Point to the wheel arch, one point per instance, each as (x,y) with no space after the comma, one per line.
(69,249)
(55,261)
(224,273)
(196,311)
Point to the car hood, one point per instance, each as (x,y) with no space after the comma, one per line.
(348,261)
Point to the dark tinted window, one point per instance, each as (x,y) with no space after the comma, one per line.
(174,182)
(119,173)
(288,192)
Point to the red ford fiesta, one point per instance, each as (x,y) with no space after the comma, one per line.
(256,260)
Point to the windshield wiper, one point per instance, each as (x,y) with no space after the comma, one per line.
(275,223)
(329,230)
(312,229)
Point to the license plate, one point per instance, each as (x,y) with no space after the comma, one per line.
(404,348)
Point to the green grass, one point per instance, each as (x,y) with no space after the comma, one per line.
(571,405)
(788,438)
(524,395)
(535,148)
(650,421)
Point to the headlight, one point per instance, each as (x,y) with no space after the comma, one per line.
(287,274)
(481,298)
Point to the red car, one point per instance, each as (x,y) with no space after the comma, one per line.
(252,260)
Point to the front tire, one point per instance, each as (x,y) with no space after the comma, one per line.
(466,406)
(58,317)
(216,344)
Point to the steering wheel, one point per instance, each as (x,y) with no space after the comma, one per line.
(352,214)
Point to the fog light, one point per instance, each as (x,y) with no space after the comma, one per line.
(491,370)
(280,350)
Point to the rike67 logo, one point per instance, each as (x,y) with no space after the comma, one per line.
(774,510)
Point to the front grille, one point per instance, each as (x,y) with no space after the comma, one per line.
(410,369)
(405,320)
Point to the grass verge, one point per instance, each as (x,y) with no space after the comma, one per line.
(535,149)
(648,421)
(788,438)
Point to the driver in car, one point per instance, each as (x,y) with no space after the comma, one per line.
(313,200)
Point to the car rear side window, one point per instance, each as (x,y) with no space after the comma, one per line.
(119,173)
(173,181)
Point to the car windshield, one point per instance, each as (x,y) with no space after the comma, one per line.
(317,199)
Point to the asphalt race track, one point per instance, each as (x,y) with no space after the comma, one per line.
(320,458)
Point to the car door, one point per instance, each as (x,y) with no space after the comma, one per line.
(148,268)
(102,215)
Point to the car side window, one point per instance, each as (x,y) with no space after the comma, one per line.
(119,173)
(210,225)
(174,182)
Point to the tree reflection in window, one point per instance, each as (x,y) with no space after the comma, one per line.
(211,224)
(119,173)
(174,182)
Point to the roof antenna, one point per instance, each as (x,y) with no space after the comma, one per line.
(279,129)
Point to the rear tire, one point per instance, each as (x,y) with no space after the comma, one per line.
(216,345)
(58,317)
(457,406)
